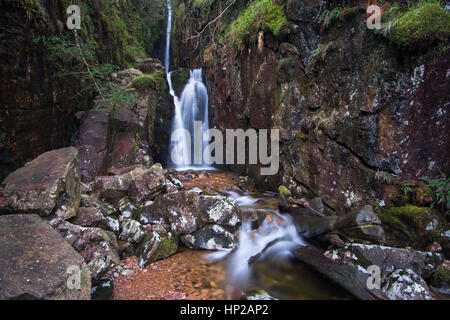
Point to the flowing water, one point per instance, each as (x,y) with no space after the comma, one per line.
(190,139)
(269,235)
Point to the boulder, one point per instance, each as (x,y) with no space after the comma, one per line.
(115,187)
(90,217)
(440,280)
(180,210)
(210,237)
(94,142)
(222,211)
(102,289)
(156,246)
(98,247)
(148,185)
(46,185)
(405,284)
(36,262)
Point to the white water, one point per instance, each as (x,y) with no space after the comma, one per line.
(187,152)
(252,242)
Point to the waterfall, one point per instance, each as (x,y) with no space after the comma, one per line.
(192,141)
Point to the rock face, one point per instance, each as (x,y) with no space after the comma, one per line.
(98,247)
(35,261)
(48,184)
(42,89)
(91,217)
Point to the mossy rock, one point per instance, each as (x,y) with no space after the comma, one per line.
(284,192)
(421,25)
(146,82)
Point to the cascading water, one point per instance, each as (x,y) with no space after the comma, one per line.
(190,142)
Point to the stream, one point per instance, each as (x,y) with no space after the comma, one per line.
(199,274)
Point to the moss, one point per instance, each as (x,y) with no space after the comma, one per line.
(283,191)
(302,137)
(441,277)
(394,222)
(133,52)
(167,247)
(143,82)
(265,15)
(414,214)
(420,25)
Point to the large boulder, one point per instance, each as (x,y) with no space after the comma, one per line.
(46,185)
(36,262)
(148,185)
(180,210)
(210,237)
(222,211)
(98,247)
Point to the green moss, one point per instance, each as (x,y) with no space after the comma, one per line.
(283,191)
(302,137)
(414,214)
(143,82)
(167,247)
(133,52)
(265,15)
(441,277)
(394,222)
(420,25)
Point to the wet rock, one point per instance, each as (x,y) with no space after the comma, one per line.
(347,275)
(210,237)
(90,217)
(316,204)
(405,284)
(440,280)
(132,231)
(246,183)
(258,295)
(156,246)
(102,289)
(35,259)
(180,210)
(93,142)
(363,224)
(48,184)
(222,211)
(148,185)
(98,247)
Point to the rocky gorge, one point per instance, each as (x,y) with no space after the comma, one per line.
(90,206)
